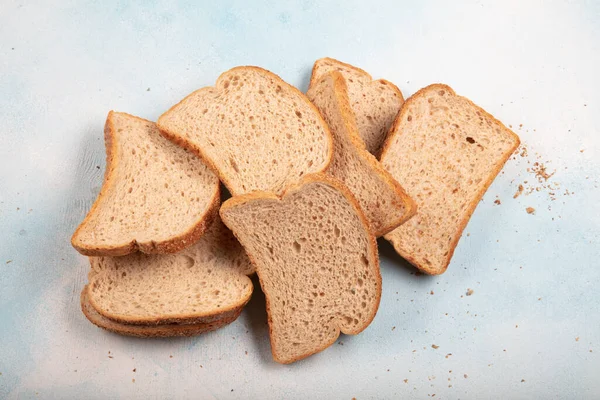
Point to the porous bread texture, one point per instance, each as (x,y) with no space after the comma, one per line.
(445,151)
(256,131)
(156,197)
(199,284)
(381,198)
(375,102)
(150,331)
(316,260)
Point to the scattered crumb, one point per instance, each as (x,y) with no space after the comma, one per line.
(9,261)
(470,291)
(539,298)
(577,339)
(497,202)
(582,150)
(522,380)
(435,346)
(516,326)
(246,352)
(201,366)
(147,90)
(466,376)
(170,356)
(591,351)
(406,381)
(393,327)
(133,380)
(448,355)
(519,191)
(530,210)
(110,356)
(134,369)
(97,167)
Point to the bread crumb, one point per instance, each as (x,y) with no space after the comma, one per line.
(497,202)
(406,381)
(582,150)
(470,291)
(133,380)
(522,380)
(448,355)
(466,376)
(431,292)
(147,90)
(435,346)
(170,356)
(530,210)
(577,339)
(9,261)
(134,369)
(518,192)
(393,327)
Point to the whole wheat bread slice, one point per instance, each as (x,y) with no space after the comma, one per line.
(375,102)
(156,197)
(256,131)
(150,331)
(205,282)
(445,151)
(381,198)
(316,260)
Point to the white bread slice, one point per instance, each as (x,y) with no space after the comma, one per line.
(381,198)
(256,131)
(375,102)
(150,331)
(445,151)
(201,284)
(316,260)
(156,197)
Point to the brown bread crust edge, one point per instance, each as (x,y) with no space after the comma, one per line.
(150,331)
(177,139)
(321,178)
(172,245)
(341,95)
(471,208)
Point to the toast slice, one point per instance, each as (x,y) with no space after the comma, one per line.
(316,259)
(150,331)
(156,197)
(256,131)
(375,102)
(205,282)
(445,151)
(381,198)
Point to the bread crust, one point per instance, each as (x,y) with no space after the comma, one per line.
(395,130)
(179,140)
(314,77)
(349,119)
(172,245)
(151,331)
(337,184)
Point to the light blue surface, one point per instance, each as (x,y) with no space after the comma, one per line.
(531,329)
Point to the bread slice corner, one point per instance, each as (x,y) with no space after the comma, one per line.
(375,102)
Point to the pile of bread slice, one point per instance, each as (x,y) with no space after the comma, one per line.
(314,179)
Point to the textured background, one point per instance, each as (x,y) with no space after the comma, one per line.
(531,328)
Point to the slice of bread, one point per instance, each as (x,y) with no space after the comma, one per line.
(203,283)
(316,260)
(374,102)
(445,151)
(150,331)
(381,198)
(156,197)
(256,131)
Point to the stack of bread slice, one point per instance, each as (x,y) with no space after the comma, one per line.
(315,179)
